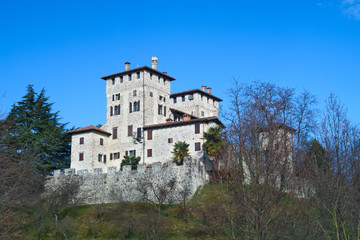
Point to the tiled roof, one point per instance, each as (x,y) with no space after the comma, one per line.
(195,91)
(181,112)
(90,128)
(179,123)
(276,126)
(138,69)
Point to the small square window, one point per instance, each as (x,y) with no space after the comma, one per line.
(170,140)
(151,94)
(160,98)
(132,152)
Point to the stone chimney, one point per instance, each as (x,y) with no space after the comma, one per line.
(209,90)
(186,117)
(154,62)
(169,120)
(204,88)
(127,66)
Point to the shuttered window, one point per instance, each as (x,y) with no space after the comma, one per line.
(197,146)
(115,133)
(197,128)
(149,152)
(130,130)
(81,156)
(149,135)
(81,140)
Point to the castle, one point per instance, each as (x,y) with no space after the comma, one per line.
(144,119)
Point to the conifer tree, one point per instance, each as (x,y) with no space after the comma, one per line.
(39,131)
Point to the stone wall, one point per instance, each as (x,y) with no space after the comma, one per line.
(162,182)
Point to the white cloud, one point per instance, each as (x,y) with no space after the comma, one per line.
(352,8)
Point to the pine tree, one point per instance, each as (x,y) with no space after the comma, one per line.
(38,130)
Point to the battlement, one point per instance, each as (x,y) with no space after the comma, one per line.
(129,185)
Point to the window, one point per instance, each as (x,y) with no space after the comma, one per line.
(165,111)
(130,77)
(151,76)
(111,156)
(149,153)
(100,158)
(81,156)
(197,146)
(197,128)
(113,97)
(183,98)
(151,94)
(160,98)
(134,93)
(130,107)
(121,79)
(126,153)
(132,152)
(81,140)
(149,135)
(175,100)
(104,158)
(191,97)
(130,130)
(114,134)
(158,79)
(117,110)
(101,141)
(138,75)
(118,96)
(113,81)
(202,113)
(116,155)
(160,109)
(170,140)
(137,106)
(111,110)
(164,99)
(138,132)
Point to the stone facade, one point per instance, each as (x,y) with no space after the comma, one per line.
(144,119)
(175,183)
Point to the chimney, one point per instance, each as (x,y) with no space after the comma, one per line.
(186,117)
(169,120)
(209,90)
(165,73)
(154,62)
(127,66)
(204,88)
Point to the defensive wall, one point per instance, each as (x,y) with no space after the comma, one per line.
(165,182)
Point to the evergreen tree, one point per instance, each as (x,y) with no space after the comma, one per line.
(39,131)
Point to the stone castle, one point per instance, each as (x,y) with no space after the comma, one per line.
(144,119)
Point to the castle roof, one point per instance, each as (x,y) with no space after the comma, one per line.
(90,128)
(180,123)
(165,76)
(182,113)
(195,91)
(276,126)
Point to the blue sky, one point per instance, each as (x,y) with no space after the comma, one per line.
(66,46)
